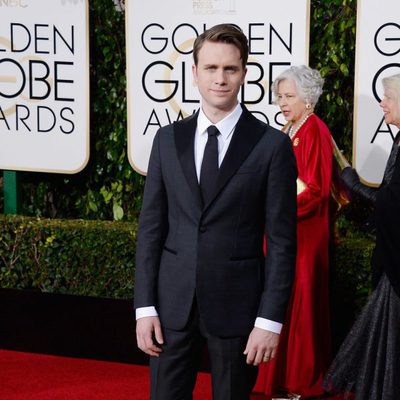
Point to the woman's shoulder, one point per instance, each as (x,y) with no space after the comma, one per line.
(319,124)
(316,127)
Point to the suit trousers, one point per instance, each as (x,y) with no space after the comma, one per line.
(173,373)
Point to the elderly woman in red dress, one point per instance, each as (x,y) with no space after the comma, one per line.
(304,349)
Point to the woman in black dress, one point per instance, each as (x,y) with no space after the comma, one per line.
(367,365)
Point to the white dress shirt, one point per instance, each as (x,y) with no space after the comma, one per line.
(226,128)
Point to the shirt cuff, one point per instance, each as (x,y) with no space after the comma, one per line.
(268,325)
(142,312)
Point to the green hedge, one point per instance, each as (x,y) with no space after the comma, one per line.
(350,282)
(90,258)
(97,258)
(351,269)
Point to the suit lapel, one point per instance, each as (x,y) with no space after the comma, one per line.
(247,133)
(184,132)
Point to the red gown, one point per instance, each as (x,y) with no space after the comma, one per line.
(304,352)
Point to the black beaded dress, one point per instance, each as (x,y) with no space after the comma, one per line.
(367,366)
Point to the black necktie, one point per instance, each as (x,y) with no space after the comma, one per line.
(209,166)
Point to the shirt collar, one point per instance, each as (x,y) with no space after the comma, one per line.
(225,126)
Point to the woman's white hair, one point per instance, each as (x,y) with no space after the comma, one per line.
(308,82)
(392,83)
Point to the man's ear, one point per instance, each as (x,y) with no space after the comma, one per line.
(244,75)
(194,72)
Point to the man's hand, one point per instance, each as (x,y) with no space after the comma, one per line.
(148,329)
(261,346)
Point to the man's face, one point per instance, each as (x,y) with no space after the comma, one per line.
(219,73)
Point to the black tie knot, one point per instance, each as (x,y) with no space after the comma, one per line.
(212,130)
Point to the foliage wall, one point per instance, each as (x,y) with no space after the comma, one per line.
(97,258)
(332,52)
(80,257)
(108,188)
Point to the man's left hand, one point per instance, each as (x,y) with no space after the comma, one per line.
(261,346)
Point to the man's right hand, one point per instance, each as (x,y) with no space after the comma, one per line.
(148,328)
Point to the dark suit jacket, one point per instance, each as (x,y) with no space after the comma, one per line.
(215,250)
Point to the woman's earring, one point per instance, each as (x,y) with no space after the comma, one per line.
(308,106)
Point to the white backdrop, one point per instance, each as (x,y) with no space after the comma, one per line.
(160,36)
(377,56)
(44,85)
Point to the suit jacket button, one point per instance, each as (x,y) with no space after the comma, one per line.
(202,229)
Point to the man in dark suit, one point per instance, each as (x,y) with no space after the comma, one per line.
(211,194)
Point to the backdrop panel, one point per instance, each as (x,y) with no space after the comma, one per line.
(44,85)
(377,56)
(160,38)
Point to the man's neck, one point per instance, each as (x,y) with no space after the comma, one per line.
(215,115)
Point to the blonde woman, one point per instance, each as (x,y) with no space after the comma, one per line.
(368,363)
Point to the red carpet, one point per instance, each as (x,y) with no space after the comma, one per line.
(27,376)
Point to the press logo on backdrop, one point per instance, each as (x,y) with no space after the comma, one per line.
(13,3)
(216,7)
